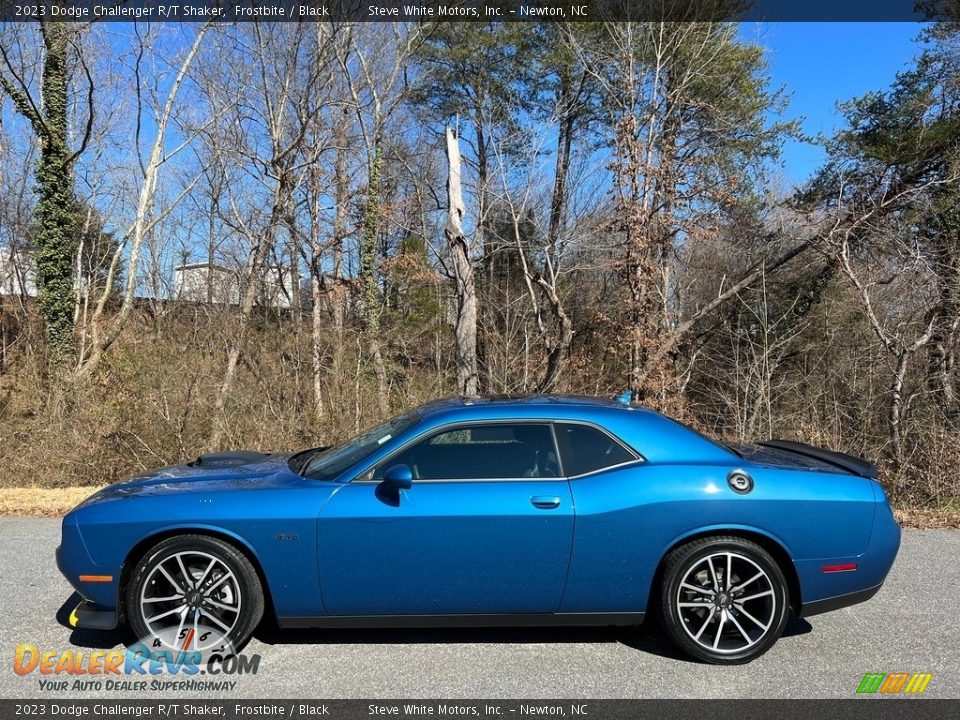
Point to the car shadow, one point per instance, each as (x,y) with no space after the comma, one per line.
(272,635)
(651,639)
(796,626)
(93,639)
(648,638)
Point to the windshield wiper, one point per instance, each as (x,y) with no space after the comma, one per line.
(299,461)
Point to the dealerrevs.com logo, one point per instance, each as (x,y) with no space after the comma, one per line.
(134,669)
(901,683)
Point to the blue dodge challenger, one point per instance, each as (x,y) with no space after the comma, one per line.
(488,511)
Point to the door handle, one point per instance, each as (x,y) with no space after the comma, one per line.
(545,502)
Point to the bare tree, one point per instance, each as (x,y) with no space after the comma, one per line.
(898,341)
(328,289)
(146,218)
(517,202)
(465,327)
(666,84)
(279,100)
(374,69)
(871,227)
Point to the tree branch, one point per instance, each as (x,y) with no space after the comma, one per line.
(673,339)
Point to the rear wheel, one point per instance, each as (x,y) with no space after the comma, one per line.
(194,592)
(724,600)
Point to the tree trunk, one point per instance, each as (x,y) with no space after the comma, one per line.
(940,366)
(465,328)
(558,201)
(945,322)
(483,183)
(368,273)
(338,291)
(316,293)
(291,274)
(212,243)
(56,206)
(895,411)
(560,347)
(631,179)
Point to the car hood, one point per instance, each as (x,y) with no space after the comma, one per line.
(213,472)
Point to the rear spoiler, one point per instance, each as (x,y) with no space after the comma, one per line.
(855,465)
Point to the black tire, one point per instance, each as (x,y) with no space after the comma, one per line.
(247,585)
(687,615)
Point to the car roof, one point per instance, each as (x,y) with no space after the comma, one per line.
(497,407)
(493,401)
(653,435)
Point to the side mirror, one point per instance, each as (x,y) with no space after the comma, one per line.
(399,477)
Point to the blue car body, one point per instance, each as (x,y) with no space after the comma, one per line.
(337,550)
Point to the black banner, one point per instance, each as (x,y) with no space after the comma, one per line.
(854,709)
(473,10)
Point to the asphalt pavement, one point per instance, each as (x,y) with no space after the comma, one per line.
(912,625)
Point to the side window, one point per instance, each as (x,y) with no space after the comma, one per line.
(475,452)
(586,449)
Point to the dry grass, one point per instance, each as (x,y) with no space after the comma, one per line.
(929,518)
(41,502)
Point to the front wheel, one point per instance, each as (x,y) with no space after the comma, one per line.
(194,592)
(724,600)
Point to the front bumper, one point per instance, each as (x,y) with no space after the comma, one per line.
(89,616)
(98,585)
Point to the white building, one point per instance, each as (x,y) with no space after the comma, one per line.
(206,282)
(278,284)
(193,282)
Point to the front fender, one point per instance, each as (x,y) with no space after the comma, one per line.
(276,528)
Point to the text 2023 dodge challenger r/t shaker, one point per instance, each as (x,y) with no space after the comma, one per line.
(488,511)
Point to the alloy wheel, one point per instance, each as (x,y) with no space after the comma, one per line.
(726,603)
(190,590)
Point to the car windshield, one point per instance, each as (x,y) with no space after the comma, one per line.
(327,463)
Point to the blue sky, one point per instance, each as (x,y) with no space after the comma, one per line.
(822,64)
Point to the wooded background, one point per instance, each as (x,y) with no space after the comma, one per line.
(464,208)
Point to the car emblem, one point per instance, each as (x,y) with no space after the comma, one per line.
(740,482)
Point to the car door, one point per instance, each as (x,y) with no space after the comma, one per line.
(619,509)
(486,527)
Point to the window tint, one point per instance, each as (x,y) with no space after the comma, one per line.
(586,449)
(483,452)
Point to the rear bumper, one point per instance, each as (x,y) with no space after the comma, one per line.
(825,584)
(838,601)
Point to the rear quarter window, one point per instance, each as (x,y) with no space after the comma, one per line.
(585,449)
